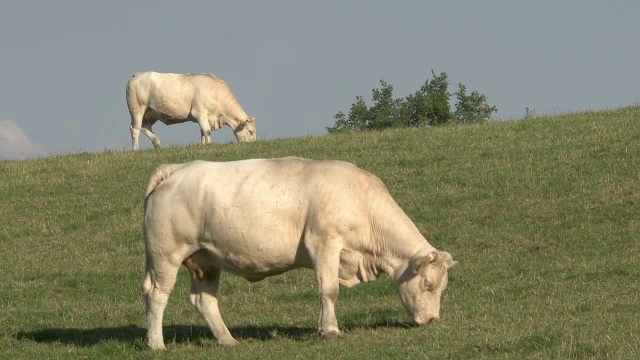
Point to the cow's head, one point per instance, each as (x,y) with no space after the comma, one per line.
(421,284)
(246,130)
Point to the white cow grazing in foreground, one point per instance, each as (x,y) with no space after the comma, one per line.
(177,98)
(262,217)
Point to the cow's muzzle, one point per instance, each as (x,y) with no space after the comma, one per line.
(430,320)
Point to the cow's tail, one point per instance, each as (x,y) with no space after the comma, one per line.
(158,176)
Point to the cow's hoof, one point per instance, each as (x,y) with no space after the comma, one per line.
(156,345)
(228,342)
(334,334)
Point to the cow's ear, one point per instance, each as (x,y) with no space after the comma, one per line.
(452,264)
(251,120)
(422,261)
(448,261)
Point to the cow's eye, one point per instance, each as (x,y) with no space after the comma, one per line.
(427,285)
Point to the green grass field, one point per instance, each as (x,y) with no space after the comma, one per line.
(543,215)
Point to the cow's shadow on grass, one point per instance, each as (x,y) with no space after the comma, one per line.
(134,335)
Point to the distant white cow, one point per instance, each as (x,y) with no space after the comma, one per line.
(177,98)
(262,217)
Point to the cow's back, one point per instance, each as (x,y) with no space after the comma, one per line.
(172,97)
(162,92)
(268,190)
(262,208)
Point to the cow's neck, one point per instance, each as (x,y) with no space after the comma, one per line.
(233,118)
(402,241)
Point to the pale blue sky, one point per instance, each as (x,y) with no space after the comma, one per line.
(294,64)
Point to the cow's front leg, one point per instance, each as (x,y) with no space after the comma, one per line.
(205,128)
(204,289)
(205,136)
(326,265)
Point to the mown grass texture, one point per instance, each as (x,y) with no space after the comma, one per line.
(542,214)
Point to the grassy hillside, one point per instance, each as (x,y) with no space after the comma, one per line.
(543,215)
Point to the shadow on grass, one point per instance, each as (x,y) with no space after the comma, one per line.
(382,324)
(134,335)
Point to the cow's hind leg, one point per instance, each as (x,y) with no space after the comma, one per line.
(157,286)
(204,288)
(136,124)
(147,123)
(142,122)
